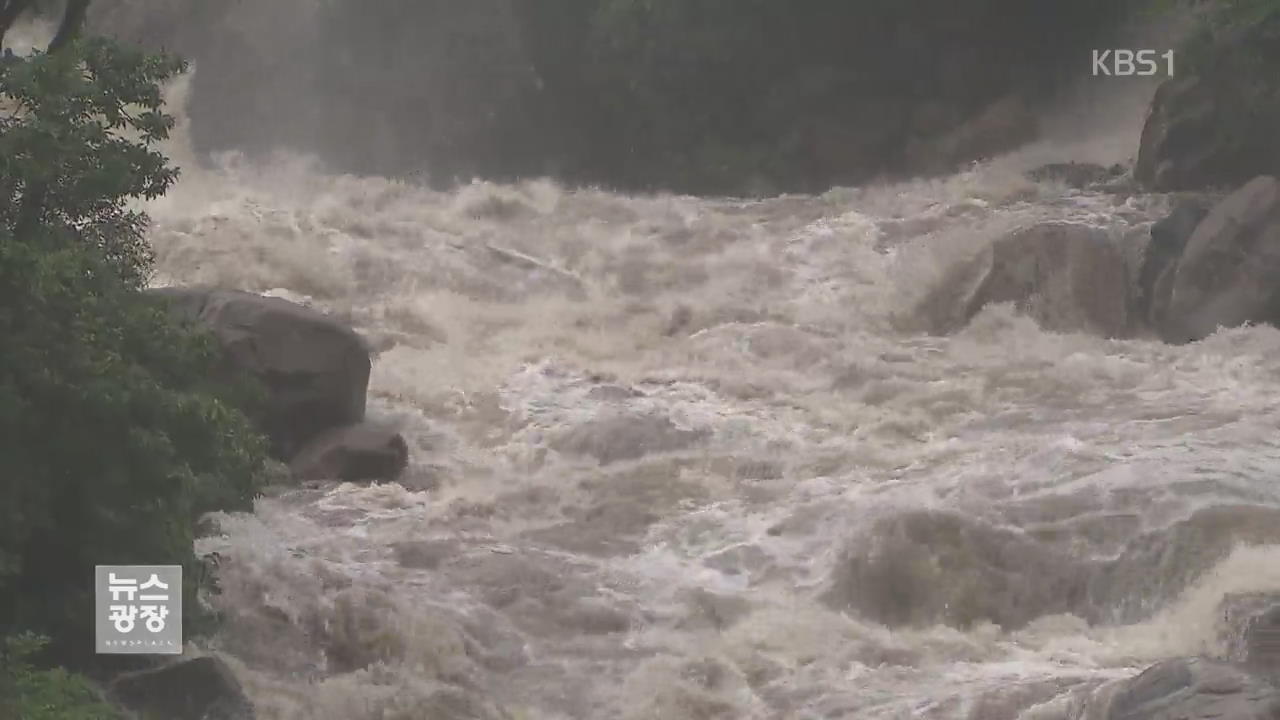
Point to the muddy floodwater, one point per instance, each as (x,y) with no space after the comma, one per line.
(675,457)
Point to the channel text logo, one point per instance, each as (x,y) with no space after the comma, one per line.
(1125,63)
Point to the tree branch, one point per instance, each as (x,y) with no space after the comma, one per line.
(72,22)
(9,12)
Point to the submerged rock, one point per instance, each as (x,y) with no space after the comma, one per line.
(1068,277)
(1227,274)
(366,451)
(201,688)
(315,368)
(618,437)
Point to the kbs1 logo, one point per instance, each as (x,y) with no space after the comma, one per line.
(1127,63)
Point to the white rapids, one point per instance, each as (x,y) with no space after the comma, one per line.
(672,459)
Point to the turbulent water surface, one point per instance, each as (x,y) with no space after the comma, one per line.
(673,459)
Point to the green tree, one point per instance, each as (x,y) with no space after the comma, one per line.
(28,693)
(114,438)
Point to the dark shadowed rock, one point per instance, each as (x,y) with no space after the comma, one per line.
(1187,689)
(1227,274)
(366,451)
(201,688)
(1262,641)
(315,369)
(1214,124)
(1169,237)
(1237,615)
(1068,277)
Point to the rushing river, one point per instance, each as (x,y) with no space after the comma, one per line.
(673,458)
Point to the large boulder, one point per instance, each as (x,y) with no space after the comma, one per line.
(1214,123)
(1187,688)
(1227,275)
(315,369)
(1068,277)
(1168,239)
(201,688)
(365,451)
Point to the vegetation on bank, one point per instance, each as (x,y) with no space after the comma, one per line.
(28,693)
(114,436)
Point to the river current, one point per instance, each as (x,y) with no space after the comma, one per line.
(674,457)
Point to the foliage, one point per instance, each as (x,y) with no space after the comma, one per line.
(30,694)
(114,439)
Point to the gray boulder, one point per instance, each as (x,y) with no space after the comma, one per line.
(365,451)
(1240,617)
(315,369)
(1068,277)
(1167,240)
(201,688)
(1187,689)
(1227,275)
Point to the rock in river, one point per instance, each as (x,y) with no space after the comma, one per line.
(315,368)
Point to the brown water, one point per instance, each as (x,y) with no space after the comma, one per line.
(672,459)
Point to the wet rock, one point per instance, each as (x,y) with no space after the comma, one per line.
(1213,125)
(1187,688)
(1068,277)
(201,688)
(1157,566)
(315,369)
(1076,175)
(924,567)
(1168,238)
(424,554)
(1256,641)
(626,437)
(365,451)
(1236,614)
(1227,274)
(707,609)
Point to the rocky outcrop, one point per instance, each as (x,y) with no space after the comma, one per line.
(1188,688)
(1068,277)
(366,451)
(315,369)
(1214,123)
(1226,276)
(201,688)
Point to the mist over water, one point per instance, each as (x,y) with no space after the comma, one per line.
(673,458)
